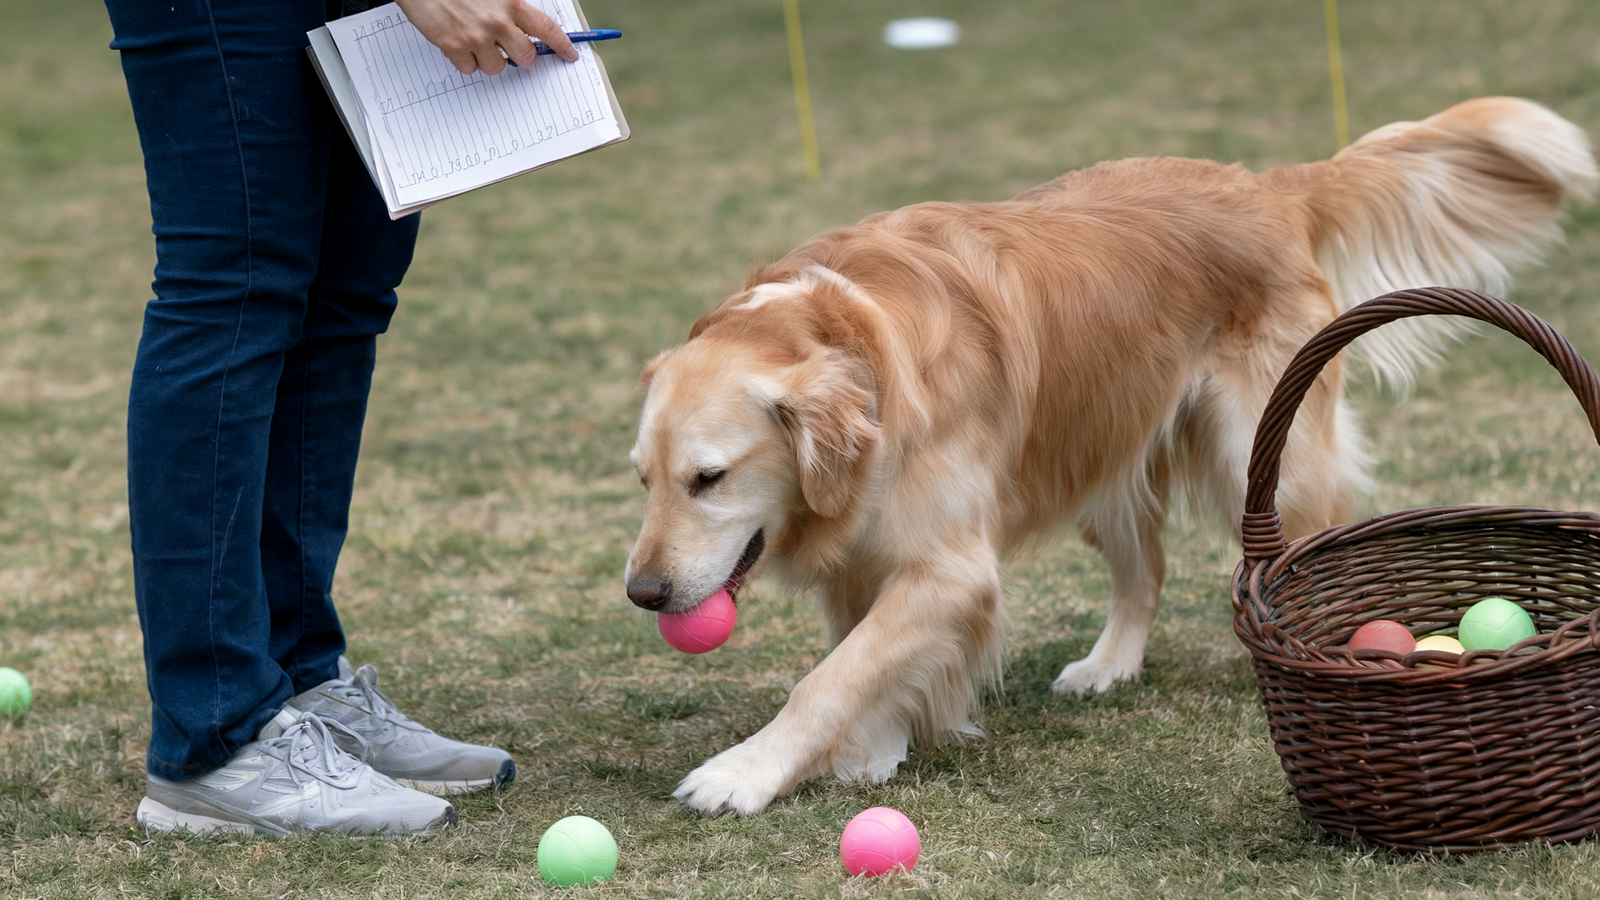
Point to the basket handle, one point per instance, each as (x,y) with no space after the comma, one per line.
(1262,529)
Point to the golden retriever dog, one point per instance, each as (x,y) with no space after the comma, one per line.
(888,411)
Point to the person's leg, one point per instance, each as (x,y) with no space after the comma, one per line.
(236,142)
(235,134)
(315,434)
(317,420)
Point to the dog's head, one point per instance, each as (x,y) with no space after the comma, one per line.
(745,430)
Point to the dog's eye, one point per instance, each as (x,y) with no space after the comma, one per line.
(706,479)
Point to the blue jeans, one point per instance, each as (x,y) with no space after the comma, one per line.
(276,265)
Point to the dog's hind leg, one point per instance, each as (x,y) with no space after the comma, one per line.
(1127,532)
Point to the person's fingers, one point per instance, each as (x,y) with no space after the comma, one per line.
(491,62)
(472,33)
(534,21)
(465,62)
(519,49)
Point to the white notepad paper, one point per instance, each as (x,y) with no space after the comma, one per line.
(427,132)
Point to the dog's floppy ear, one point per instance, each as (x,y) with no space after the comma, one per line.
(648,373)
(830,416)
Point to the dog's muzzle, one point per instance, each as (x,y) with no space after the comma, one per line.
(655,593)
(649,593)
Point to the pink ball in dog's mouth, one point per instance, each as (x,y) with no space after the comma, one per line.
(702,629)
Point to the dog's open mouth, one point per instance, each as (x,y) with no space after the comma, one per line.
(752,552)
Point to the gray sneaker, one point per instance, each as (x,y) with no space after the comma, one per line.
(292,778)
(399,747)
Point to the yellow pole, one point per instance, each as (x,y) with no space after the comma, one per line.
(802,91)
(1341,115)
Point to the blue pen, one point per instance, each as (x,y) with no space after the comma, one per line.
(577,37)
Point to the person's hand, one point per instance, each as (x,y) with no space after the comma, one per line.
(473,32)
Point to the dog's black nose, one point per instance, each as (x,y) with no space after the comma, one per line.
(649,593)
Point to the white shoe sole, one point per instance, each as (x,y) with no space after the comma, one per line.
(507,774)
(154,815)
(446,788)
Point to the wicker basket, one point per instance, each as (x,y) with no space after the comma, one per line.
(1463,754)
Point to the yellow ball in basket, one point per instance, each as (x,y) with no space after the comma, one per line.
(1440,643)
(1495,623)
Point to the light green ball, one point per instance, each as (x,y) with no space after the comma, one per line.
(1495,624)
(16,698)
(577,850)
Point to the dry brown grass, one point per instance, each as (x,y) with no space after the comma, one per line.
(495,503)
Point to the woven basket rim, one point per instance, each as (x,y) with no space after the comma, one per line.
(1253,594)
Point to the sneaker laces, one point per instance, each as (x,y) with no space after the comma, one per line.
(363,686)
(309,747)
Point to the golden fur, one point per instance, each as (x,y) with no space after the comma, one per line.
(888,411)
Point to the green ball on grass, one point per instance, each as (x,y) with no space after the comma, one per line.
(577,850)
(16,697)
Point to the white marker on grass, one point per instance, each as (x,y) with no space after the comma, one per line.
(921,33)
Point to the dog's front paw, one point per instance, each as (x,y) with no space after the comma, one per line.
(740,780)
(1092,676)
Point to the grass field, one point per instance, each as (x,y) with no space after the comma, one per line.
(495,502)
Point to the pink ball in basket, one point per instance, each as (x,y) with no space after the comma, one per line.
(878,841)
(702,629)
(1383,634)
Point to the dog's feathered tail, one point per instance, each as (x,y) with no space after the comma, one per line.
(1459,199)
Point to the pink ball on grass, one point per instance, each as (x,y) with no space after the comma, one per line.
(704,628)
(878,841)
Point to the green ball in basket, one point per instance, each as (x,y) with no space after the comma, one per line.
(1495,623)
